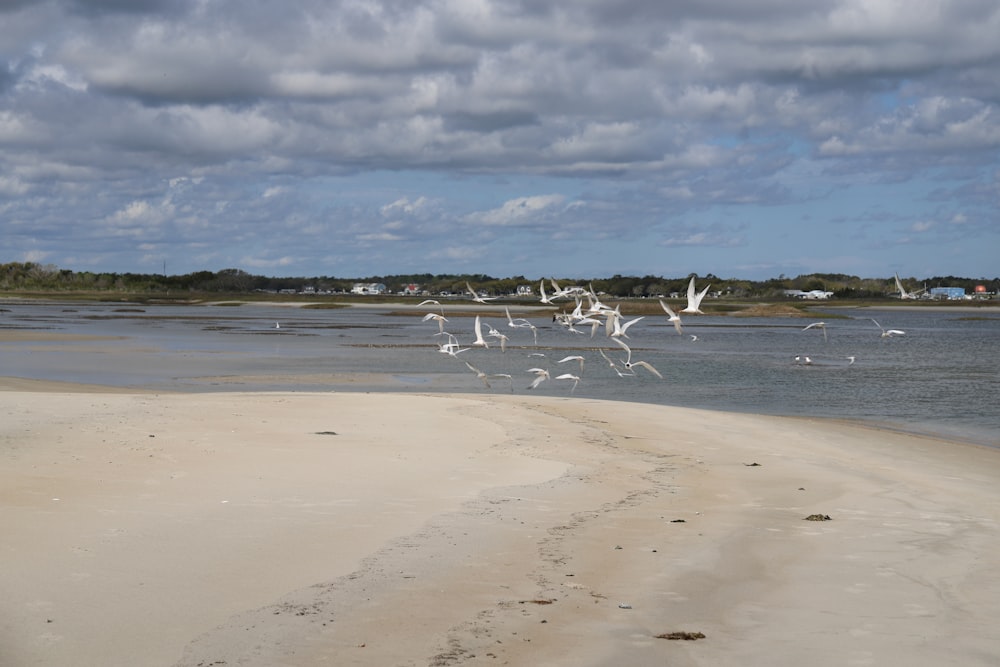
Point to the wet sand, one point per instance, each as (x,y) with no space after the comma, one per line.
(419,529)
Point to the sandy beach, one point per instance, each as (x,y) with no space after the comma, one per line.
(388,529)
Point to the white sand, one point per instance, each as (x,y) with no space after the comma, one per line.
(162,529)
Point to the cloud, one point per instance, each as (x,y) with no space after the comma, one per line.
(523,211)
(224,123)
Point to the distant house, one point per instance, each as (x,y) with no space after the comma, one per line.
(811,294)
(411,289)
(525,290)
(947,292)
(368,288)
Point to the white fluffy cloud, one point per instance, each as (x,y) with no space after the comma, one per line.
(316,118)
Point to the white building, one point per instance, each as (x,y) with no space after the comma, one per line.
(368,288)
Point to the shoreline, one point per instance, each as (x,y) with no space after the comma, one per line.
(302,528)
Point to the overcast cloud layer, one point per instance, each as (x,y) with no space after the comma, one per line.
(368,137)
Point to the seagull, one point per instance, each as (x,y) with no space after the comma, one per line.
(888,333)
(694,298)
(573,357)
(542,376)
(850,360)
(629,364)
(570,376)
(820,325)
(277,325)
(674,318)
(693,337)
(803,360)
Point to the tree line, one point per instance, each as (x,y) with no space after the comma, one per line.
(33,276)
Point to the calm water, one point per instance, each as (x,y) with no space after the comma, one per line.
(940,378)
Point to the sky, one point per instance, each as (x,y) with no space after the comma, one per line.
(360,138)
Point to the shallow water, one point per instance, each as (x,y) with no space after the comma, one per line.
(940,378)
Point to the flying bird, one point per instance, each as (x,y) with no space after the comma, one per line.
(570,376)
(673,317)
(630,365)
(694,298)
(480,341)
(818,325)
(887,333)
(541,376)
(476,297)
(573,357)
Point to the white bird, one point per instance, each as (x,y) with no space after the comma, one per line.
(818,325)
(441,319)
(573,357)
(277,325)
(476,297)
(694,298)
(479,374)
(611,363)
(541,376)
(850,360)
(614,326)
(693,337)
(803,360)
(630,365)
(480,341)
(502,337)
(451,347)
(570,376)
(887,333)
(674,318)
(541,288)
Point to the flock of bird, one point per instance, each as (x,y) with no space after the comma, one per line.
(588,316)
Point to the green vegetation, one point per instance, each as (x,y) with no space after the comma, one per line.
(33,279)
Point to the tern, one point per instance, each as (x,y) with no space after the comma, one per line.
(451,347)
(479,374)
(630,365)
(694,298)
(818,325)
(480,341)
(674,318)
(570,376)
(542,376)
(441,319)
(614,326)
(573,357)
(887,333)
(476,297)
(612,363)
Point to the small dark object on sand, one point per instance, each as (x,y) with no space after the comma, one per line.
(537,601)
(678,521)
(818,517)
(752,465)
(681,635)
(326,433)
